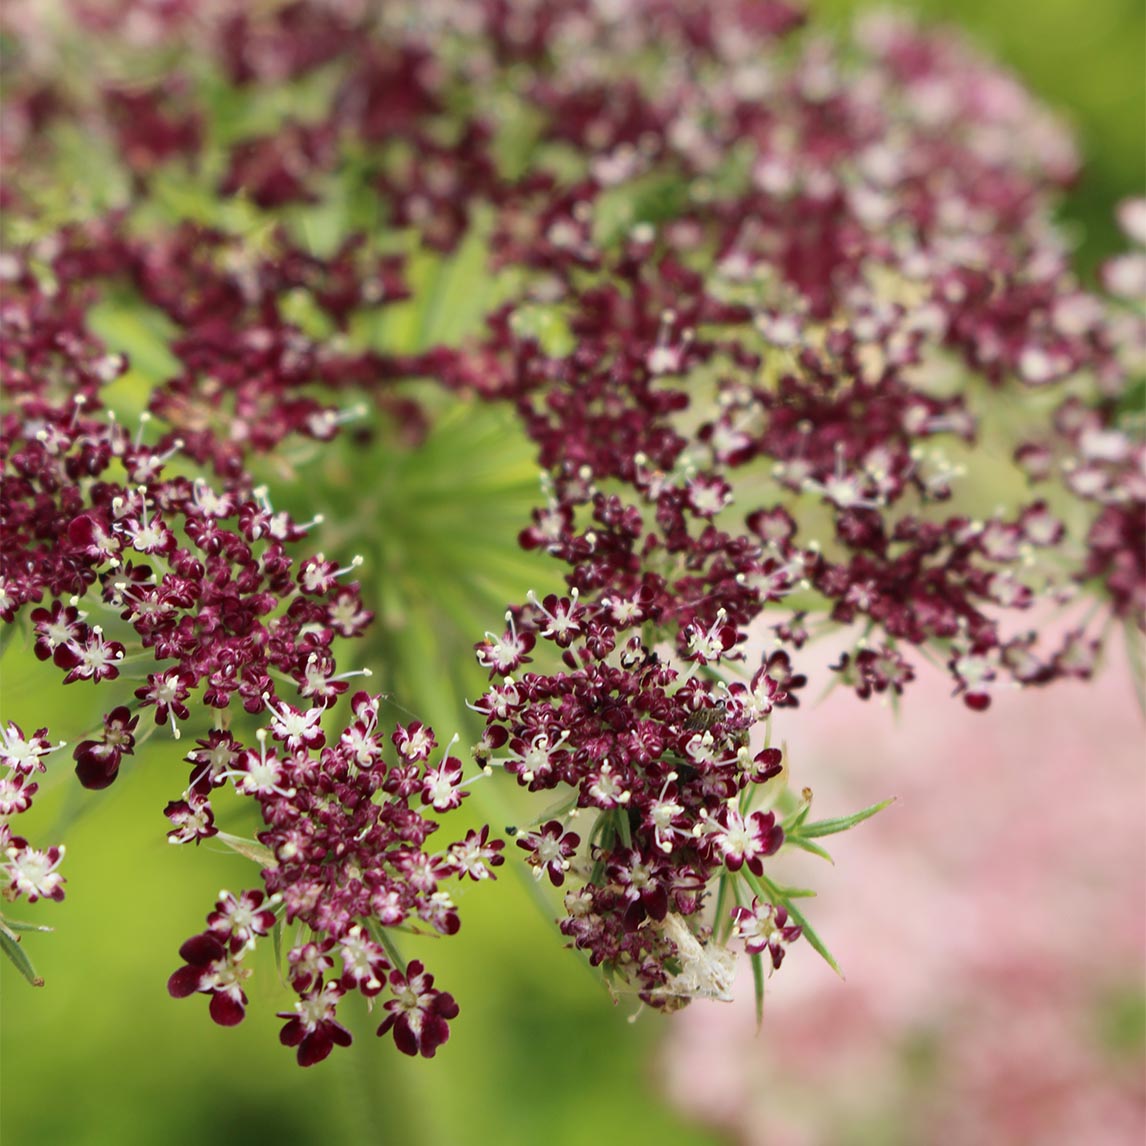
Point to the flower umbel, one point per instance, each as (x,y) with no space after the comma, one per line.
(760,304)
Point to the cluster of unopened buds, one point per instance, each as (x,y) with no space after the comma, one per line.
(760,303)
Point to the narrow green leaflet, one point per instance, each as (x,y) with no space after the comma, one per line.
(20,925)
(722,923)
(811,936)
(277,942)
(251,849)
(624,827)
(831,827)
(11,947)
(797,821)
(395,956)
(767,891)
(758,983)
(808,846)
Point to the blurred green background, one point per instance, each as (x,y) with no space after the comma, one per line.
(100,1055)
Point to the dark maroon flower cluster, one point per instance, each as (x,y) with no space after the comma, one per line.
(196,575)
(656,756)
(807,243)
(28,872)
(808,343)
(769,326)
(774,314)
(345,859)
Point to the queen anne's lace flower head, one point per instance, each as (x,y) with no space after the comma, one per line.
(761,304)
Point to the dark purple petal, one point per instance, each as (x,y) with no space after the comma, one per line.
(226,1010)
(202,949)
(184,982)
(315,1047)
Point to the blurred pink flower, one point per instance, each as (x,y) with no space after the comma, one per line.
(990,923)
